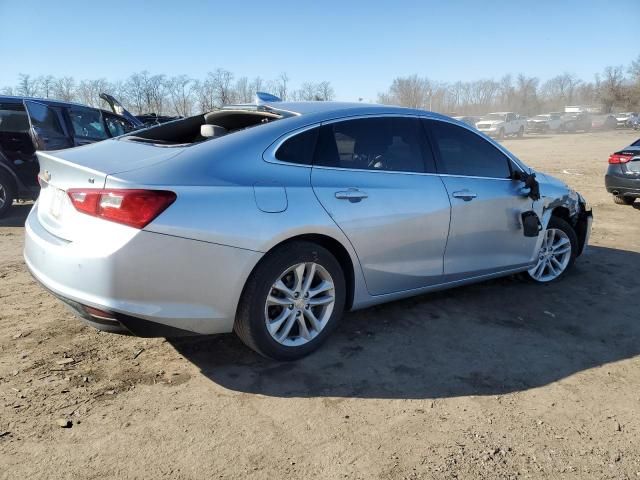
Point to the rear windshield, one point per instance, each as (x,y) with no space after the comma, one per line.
(13,118)
(201,128)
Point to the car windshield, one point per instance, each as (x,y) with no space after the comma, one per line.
(494,116)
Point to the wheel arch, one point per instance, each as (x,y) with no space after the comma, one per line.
(337,249)
(578,222)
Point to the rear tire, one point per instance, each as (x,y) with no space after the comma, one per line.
(622,200)
(501,134)
(271,321)
(7,193)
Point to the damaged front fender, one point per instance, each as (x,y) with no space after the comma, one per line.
(557,199)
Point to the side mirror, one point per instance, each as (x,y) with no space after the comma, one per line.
(530,182)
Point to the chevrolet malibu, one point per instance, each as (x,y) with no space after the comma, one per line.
(272,219)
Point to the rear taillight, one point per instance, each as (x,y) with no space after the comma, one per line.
(136,208)
(620,158)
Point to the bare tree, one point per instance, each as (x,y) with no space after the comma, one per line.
(257,85)
(27,86)
(325,91)
(281,85)
(560,90)
(610,87)
(46,85)
(243,90)
(221,84)
(410,91)
(64,89)
(181,90)
(88,91)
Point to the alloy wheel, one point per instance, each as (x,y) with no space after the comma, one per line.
(553,257)
(299,304)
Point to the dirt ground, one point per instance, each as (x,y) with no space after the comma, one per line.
(497,380)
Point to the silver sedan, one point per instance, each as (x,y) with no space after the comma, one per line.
(272,219)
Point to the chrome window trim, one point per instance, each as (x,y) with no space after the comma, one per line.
(269,155)
(514,161)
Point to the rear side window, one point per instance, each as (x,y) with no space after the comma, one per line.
(117,126)
(13,118)
(463,152)
(87,123)
(299,148)
(381,144)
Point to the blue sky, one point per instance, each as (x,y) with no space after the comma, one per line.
(360,46)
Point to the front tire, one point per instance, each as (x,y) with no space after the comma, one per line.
(7,193)
(622,200)
(521,132)
(501,134)
(292,301)
(557,252)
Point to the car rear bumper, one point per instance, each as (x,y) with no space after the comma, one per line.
(622,184)
(150,285)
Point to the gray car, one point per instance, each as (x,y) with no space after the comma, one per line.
(270,220)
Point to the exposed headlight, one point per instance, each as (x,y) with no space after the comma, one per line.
(587,205)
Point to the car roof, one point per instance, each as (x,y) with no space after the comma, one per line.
(321,109)
(53,102)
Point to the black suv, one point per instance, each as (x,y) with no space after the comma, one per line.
(30,124)
(623,175)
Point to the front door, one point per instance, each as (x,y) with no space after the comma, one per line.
(374,176)
(486,233)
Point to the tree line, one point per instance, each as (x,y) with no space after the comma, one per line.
(616,88)
(144,92)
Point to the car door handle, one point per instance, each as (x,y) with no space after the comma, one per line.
(353,195)
(465,195)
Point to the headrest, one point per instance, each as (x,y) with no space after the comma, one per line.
(212,131)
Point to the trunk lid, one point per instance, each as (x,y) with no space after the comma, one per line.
(632,167)
(85,167)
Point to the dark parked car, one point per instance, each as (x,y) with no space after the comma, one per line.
(56,125)
(144,120)
(574,122)
(623,175)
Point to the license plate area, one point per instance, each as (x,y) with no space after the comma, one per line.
(57,201)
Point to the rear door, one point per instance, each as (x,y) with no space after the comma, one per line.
(375,177)
(46,128)
(486,235)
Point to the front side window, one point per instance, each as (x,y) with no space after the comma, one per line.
(381,143)
(462,152)
(87,123)
(44,117)
(299,148)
